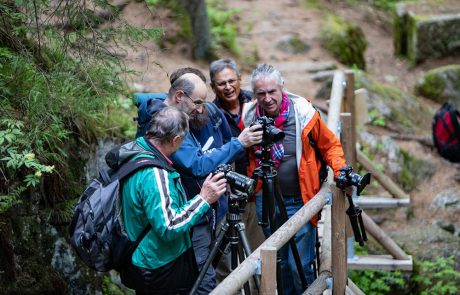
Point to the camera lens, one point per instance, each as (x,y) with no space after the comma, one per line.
(274,134)
(241,183)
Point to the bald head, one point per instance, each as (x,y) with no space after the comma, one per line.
(188,93)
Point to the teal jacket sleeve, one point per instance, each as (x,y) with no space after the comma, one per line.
(166,207)
(189,158)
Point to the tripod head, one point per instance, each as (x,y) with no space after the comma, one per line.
(348,178)
(237,202)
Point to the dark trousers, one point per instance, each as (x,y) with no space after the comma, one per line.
(201,240)
(176,277)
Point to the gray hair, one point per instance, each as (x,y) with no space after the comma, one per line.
(166,124)
(183,84)
(219,65)
(266,71)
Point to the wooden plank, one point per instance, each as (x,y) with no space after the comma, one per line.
(384,180)
(268,266)
(380,262)
(386,241)
(366,202)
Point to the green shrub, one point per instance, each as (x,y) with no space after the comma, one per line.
(438,277)
(345,41)
(60,88)
(376,282)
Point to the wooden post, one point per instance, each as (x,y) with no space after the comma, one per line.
(268,279)
(350,108)
(378,234)
(339,257)
(384,180)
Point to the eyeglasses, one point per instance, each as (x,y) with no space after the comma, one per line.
(197,103)
(222,84)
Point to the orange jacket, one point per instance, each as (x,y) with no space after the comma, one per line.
(307,120)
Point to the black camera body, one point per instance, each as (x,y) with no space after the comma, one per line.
(347,178)
(241,183)
(271,134)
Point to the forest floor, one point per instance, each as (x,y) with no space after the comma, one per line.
(261,25)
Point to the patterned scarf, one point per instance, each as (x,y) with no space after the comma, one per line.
(277,149)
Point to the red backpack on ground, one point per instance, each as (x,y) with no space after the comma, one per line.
(446,132)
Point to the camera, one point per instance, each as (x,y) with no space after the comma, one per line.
(347,178)
(271,133)
(238,182)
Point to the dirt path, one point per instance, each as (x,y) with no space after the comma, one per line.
(262,24)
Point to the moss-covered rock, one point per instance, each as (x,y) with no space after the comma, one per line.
(426,29)
(293,44)
(441,85)
(345,40)
(396,109)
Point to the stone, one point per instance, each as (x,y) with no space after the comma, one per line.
(448,200)
(426,29)
(322,76)
(441,85)
(292,44)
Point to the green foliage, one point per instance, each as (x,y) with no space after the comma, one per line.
(438,277)
(223,26)
(224,29)
(376,119)
(376,282)
(60,88)
(345,41)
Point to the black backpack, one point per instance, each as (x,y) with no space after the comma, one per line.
(97,232)
(446,132)
(145,112)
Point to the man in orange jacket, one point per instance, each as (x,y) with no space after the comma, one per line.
(295,160)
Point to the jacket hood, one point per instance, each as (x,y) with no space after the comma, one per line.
(123,153)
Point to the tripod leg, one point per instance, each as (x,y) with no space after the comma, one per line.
(269,197)
(246,248)
(210,258)
(292,243)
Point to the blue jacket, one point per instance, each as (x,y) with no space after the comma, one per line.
(192,162)
(200,154)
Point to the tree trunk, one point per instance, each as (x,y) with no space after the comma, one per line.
(200,27)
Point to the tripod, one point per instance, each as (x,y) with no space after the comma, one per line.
(271,194)
(231,232)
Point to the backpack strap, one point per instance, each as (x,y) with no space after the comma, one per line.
(323,169)
(455,117)
(130,168)
(214,114)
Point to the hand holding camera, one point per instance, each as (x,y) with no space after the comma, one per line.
(213,187)
(251,135)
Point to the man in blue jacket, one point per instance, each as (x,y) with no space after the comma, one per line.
(208,145)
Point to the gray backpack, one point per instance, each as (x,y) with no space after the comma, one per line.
(96,231)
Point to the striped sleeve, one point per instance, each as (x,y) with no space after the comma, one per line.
(168,213)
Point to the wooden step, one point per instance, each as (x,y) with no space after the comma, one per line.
(379,262)
(371,202)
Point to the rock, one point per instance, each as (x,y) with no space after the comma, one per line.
(405,169)
(447,200)
(447,226)
(322,76)
(305,67)
(346,41)
(426,29)
(395,109)
(292,44)
(441,85)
